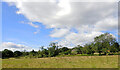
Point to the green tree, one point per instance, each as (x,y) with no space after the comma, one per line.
(104,42)
(32,53)
(45,53)
(53,50)
(114,47)
(88,49)
(42,52)
(7,53)
(0,54)
(67,52)
(78,49)
(25,53)
(17,53)
(63,49)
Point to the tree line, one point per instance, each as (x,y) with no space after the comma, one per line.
(105,44)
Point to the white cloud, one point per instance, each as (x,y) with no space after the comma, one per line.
(33,25)
(107,24)
(87,18)
(75,38)
(59,32)
(65,5)
(12,46)
(30,23)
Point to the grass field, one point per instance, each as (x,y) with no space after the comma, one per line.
(63,62)
(0,63)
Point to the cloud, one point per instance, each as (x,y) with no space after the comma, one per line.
(30,23)
(79,39)
(89,19)
(33,25)
(12,46)
(107,24)
(59,32)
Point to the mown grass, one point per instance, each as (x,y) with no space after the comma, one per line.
(63,62)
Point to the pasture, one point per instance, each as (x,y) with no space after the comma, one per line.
(63,62)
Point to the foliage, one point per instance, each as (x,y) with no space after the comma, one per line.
(7,53)
(78,49)
(104,44)
(17,53)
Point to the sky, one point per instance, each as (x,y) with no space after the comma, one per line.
(30,25)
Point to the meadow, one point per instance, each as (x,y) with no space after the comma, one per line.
(63,62)
(0,63)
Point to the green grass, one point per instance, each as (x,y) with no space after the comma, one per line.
(0,63)
(77,55)
(63,62)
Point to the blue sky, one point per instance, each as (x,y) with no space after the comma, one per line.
(15,31)
(32,24)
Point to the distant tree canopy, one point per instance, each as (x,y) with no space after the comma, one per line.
(17,53)
(104,44)
(78,49)
(7,53)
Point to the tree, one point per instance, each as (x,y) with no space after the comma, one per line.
(44,53)
(32,53)
(25,53)
(67,52)
(17,53)
(88,49)
(105,50)
(41,48)
(7,53)
(74,51)
(63,49)
(0,54)
(54,45)
(114,48)
(98,48)
(53,50)
(104,42)
(78,49)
